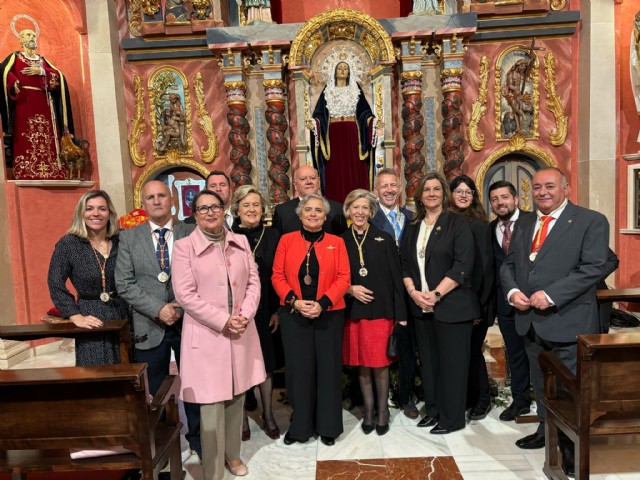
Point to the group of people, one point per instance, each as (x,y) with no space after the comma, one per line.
(338,282)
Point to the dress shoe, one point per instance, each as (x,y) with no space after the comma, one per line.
(568,465)
(288,439)
(530,442)
(239,470)
(328,441)
(513,411)
(410,410)
(382,429)
(367,429)
(272,433)
(440,430)
(246,435)
(479,412)
(427,421)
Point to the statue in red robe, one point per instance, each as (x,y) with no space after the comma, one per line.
(35,111)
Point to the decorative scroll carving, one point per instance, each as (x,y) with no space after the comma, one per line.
(452,120)
(411,85)
(479,108)
(210,152)
(138,127)
(557,5)
(277,153)
(150,7)
(342,30)
(135,17)
(558,135)
(201,9)
(237,120)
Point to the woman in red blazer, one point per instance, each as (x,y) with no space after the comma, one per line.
(311,276)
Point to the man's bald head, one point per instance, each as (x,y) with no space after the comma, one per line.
(156,201)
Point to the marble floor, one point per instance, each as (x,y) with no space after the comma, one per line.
(485,449)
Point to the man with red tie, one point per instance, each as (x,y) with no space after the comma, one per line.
(555,260)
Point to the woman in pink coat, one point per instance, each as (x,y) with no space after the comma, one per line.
(216,281)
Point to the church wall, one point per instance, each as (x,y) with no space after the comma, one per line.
(294,11)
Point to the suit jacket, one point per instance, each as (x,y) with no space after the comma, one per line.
(137,281)
(569,264)
(502,306)
(285,219)
(335,276)
(383,278)
(381,222)
(483,272)
(449,253)
(216,365)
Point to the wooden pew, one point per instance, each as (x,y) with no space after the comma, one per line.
(603,398)
(68,330)
(45,412)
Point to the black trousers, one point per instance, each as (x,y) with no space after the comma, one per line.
(406,361)
(313,356)
(517,360)
(444,367)
(158,359)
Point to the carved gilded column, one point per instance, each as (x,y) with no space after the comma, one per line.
(412,151)
(237,120)
(277,154)
(451,108)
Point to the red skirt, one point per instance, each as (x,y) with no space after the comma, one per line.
(365,342)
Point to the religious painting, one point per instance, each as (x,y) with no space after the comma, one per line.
(516,94)
(170,106)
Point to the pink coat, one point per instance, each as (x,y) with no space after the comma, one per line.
(214,366)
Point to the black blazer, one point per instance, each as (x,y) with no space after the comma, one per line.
(384,278)
(502,306)
(285,219)
(381,222)
(449,253)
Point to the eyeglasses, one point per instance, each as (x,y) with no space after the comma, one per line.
(204,209)
(458,192)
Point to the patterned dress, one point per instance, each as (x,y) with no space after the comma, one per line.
(74,259)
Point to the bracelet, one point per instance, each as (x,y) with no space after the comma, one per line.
(291,304)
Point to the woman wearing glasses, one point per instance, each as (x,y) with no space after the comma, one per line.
(311,276)
(216,281)
(465,201)
(437,257)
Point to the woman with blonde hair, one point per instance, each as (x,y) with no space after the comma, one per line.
(87,256)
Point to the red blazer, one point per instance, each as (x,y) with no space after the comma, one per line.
(335,274)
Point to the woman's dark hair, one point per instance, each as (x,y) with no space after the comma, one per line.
(475,210)
(421,212)
(202,193)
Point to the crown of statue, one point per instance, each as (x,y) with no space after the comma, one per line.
(14,20)
(342,55)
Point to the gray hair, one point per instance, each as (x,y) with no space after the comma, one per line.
(357,194)
(239,195)
(313,196)
(79,227)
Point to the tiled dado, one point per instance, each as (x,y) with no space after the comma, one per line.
(417,468)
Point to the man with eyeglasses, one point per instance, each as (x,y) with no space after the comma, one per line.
(143,280)
(218,182)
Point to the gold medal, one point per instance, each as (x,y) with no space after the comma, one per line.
(363,272)
(533,256)
(163,277)
(104,296)
(307,279)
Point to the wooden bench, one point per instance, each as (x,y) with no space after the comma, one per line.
(603,398)
(45,412)
(68,330)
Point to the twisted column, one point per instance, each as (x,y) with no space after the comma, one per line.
(237,120)
(277,153)
(451,80)
(411,85)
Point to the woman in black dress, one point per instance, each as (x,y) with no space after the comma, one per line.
(87,255)
(248,205)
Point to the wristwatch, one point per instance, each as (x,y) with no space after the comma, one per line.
(438,295)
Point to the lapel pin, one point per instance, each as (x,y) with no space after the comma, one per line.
(379,239)
(438,228)
(331,247)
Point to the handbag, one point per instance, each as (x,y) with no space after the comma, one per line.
(392,344)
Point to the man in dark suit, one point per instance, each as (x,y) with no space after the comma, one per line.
(555,261)
(306,180)
(504,204)
(143,279)
(394,220)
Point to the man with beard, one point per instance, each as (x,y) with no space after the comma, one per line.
(35,110)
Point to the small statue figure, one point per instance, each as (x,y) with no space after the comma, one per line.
(426,7)
(75,157)
(256,10)
(513,90)
(173,125)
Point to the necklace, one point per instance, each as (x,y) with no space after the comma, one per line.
(423,249)
(257,244)
(103,247)
(104,296)
(363,271)
(163,276)
(307,277)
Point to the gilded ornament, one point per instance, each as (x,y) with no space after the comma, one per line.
(232,60)
(271,56)
(346,30)
(451,72)
(201,8)
(412,74)
(150,7)
(454,44)
(138,127)
(558,135)
(525,197)
(309,37)
(412,46)
(210,152)
(378,100)
(557,5)
(479,108)
(135,17)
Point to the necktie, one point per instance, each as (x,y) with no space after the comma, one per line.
(162,250)
(541,234)
(396,225)
(506,235)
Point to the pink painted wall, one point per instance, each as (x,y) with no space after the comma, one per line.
(294,11)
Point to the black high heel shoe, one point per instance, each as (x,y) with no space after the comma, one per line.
(382,429)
